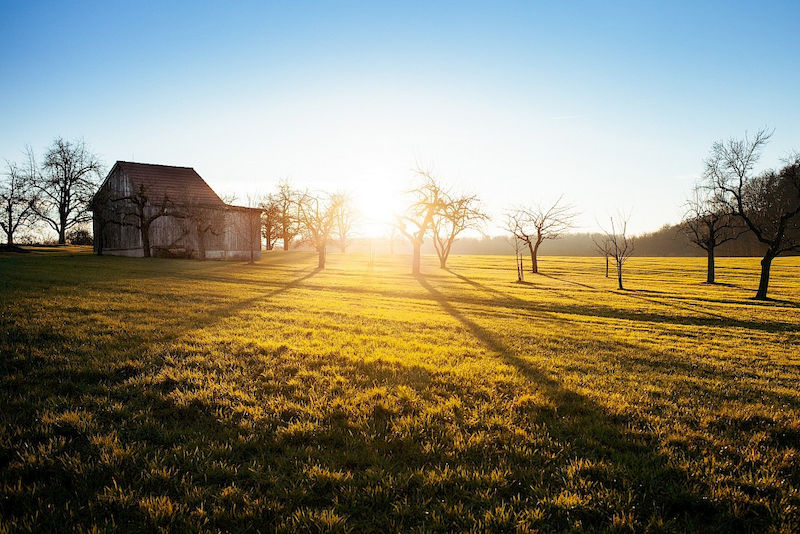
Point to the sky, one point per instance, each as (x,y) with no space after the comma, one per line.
(612,104)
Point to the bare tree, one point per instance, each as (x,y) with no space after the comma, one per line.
(204,221)
(619,243)
(270,221)
(287,199)
(346,217)
(140,211)
(66,184)
(317,217)
(455,215)
(768,203)
(535,225)
(18,198)
(708,225)
(518,258)
(415,224)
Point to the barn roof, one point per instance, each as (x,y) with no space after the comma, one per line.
(182,185)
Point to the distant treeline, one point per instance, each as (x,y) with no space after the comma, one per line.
(669,240)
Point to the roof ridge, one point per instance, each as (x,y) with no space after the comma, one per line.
(154,164)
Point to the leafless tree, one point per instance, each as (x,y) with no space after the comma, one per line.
(18,198)
(317,217)
(536,224)
(455,215)
(346,218)
(768,203)
(137,209)
(270,221)
(105,213)
(203,220)
(708,225)
(287,198)
(619,243)
(417,222)
(603,247)
(68,180)
(518,258)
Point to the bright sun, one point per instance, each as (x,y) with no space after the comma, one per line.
(377,204)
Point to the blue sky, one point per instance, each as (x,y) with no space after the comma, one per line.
(614,105)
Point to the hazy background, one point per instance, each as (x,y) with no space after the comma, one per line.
(613,104)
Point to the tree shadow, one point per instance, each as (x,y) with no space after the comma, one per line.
(659,488)
(185,439)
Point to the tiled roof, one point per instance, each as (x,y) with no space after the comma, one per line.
(182,185)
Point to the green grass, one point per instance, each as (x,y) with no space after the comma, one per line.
(138,395)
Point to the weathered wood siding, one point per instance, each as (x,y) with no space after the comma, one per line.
(169,235)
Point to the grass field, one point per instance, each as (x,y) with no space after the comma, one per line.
(138,395)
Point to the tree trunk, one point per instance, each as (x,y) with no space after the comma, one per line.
(145,231)
(763,284)
(533,257)
(445,252)
(9,231)
(415,259)
(286,241)
(606,265)
(710,275)
(322,254)
(619,275)
(62,236)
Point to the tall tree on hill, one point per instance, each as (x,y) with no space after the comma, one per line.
(68,179)
(455,215)
(536,224)
(417,221)
(317,216)
(618,244)
(767,203)
(18,199)
(708,225)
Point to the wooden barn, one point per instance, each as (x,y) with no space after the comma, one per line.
(160,210)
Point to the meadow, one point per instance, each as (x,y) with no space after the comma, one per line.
(146,395)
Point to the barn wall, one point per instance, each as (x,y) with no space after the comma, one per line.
(117,239)
(170,236)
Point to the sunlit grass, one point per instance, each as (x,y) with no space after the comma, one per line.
(139,394)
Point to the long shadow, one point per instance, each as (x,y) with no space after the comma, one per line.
(579,284)
(657,362)
(585,309)
(659,489)
(169,439)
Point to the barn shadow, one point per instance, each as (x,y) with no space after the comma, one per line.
(591,432)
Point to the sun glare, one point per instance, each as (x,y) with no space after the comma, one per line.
(378,203)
